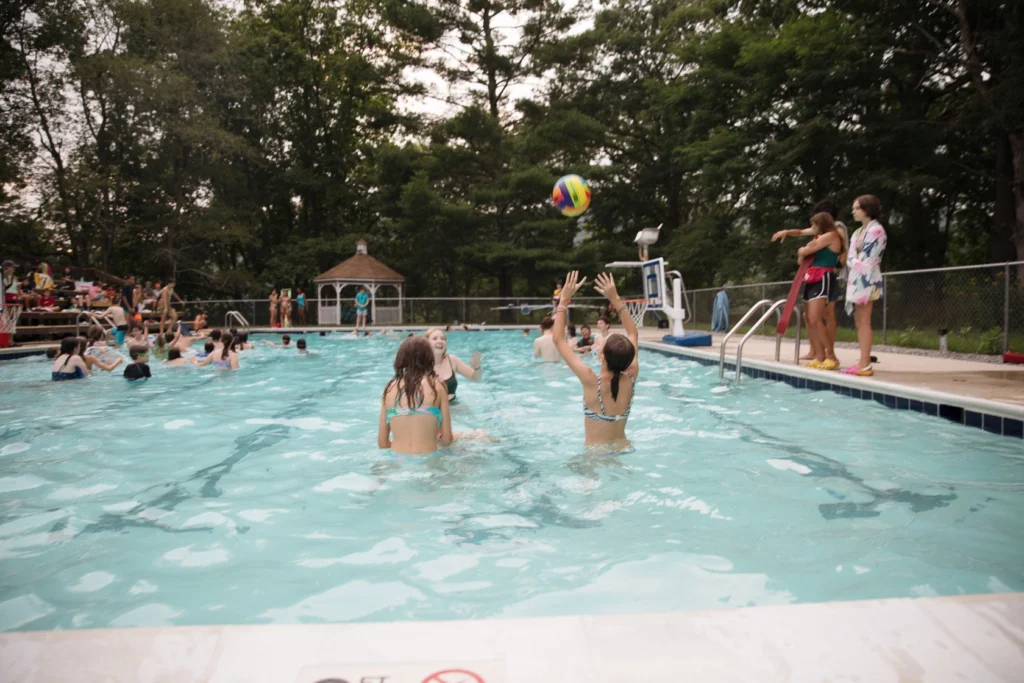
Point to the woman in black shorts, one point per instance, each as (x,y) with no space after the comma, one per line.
(820,285)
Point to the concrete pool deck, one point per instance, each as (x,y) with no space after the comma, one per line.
(976,638)
(998,382)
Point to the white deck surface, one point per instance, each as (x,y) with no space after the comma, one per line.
(972,638)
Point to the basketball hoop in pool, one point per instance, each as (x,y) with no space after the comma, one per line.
(655,285)
(653,299)
(637,308)
(9,315)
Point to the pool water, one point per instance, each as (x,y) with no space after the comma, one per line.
(204,496)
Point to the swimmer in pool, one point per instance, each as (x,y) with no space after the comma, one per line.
(224,357)
(68,364)
(585,344)
(93,362)
(163,342)
(208,348)
(286,339)
(414,416)
(174,358)
(604,328)
(446,365)
(608,394)
(97,346)
(243,342)
(544,345)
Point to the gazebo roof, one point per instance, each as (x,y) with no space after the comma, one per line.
(361,267)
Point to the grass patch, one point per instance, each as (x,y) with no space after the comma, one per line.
(966,340)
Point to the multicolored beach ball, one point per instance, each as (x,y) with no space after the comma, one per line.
(571,195)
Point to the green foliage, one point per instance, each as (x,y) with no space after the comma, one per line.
(239,146)
(991,342)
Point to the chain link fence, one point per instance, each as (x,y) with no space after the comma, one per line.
(415,311)
(980,308)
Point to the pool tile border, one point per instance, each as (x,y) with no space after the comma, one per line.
(1001,419)
(15,352)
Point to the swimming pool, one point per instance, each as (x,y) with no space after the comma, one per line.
(259,496)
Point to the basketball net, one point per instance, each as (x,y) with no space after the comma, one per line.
(636,308)
(9,318)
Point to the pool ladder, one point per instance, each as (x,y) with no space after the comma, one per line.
(90,319)
(238,319)
(772,308)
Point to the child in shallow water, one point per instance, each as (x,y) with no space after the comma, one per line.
(174,358)
(414,416)
(608,393)
(68,364)
(138,368)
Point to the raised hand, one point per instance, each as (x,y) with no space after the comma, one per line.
(780,236)
(605,284)
(476,361)
(571,286)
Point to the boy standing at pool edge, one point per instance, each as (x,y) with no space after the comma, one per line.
(362,301)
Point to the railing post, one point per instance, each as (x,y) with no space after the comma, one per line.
(1006,308)
(763,297)
(885,309)
(464,317)
(796,346)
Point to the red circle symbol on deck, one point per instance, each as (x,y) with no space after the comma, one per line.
(453,676)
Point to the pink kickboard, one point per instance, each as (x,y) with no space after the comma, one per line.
(794,292)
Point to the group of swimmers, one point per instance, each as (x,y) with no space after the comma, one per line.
(835,253)
(415,413)
(544,346)
(78,357)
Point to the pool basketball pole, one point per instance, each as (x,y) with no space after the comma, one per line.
(655,286)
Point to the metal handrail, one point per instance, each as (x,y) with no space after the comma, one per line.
(91,320)
(774,308)
(235,315)
(745,318)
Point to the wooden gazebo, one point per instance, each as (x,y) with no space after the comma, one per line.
(361,270)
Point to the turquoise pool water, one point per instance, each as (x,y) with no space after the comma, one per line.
(259,496)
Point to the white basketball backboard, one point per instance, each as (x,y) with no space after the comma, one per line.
(654,283)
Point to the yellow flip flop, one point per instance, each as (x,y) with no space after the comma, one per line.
(829,364)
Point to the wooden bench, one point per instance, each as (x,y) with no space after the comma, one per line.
(45,317)
(48,331)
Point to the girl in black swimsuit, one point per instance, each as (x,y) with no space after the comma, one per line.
(448,366)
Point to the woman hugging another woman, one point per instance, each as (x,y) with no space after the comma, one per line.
(820,285)
(225,357)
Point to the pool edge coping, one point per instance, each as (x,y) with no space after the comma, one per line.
(935,632)
(966,404)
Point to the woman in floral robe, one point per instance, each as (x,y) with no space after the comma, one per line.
(864,282)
